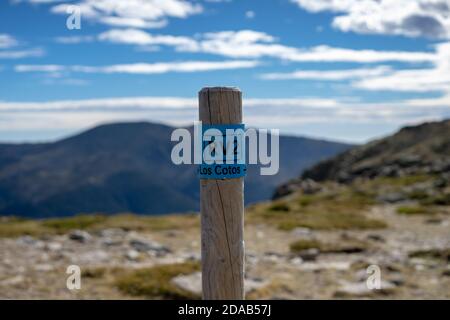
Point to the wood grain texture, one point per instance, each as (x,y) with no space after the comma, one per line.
(222,208)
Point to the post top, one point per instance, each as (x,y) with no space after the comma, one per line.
(220,89)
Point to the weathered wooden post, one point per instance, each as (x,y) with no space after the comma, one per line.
(222,207)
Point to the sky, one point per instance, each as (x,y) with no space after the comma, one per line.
(348,70)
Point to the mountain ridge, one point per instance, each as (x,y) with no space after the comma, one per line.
(124,167)
(413,150)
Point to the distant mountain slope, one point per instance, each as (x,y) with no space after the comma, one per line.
(421,149)
(125,167)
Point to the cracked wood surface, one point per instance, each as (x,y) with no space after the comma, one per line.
(222,208)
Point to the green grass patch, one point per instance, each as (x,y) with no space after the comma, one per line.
(11,228)
(401,181)
(301,245)
(93,273)
(338,209)
(438,200)
(279,206)
(83,222)
(413,210)
(155,282)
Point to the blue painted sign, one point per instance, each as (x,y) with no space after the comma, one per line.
(223,152)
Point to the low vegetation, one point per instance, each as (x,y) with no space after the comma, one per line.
(435,254)
(412,210)
(155,282)
(340,208)
(14,227)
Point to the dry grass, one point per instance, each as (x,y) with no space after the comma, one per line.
(413,210)
(13,227)
(155,282)
(339,209)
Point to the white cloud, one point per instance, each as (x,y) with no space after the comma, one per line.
(284,114)
(74,39)
(142,68)
(142,38)
(413,18)
(436,78)
(329,75)
(250,14)
(39,68)
(133,13)
(19,54)
(254,44)
(7,41)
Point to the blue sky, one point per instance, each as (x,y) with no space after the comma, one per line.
(349,70)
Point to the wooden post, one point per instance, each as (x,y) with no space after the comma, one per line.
(222,208)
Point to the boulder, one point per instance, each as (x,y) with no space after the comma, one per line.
(80,236)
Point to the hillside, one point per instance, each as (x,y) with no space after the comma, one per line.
(124,167)
(414,150)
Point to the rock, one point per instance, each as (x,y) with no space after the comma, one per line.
(446,272)
(53,246)
(328,265)
(80,236)
(392,197)
(376,237)
(301,232)
(273,256)
(190,256)
(112,233)
(28,240)
(360,289)
(253,284)
(309,254)
(43,267)
(148,246)
(306,186)
(296,261)
(92,257)
(132,255)
(12,281)
(192,283)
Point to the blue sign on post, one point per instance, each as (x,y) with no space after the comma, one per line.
(223,151)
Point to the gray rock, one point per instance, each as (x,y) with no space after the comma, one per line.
(193,283)
(53,246)
(149,246)
(80,236)
(325,265)
(28,240)
(376,237)
(360,289)
(309,254)
(92,257)
(132,255)
(301,232)
(44,267)
(12,281)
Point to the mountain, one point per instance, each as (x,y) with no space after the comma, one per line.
(125,167)
(414,150)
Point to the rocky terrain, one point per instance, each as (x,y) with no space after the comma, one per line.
(303,246)
(423,149)
(367,212)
